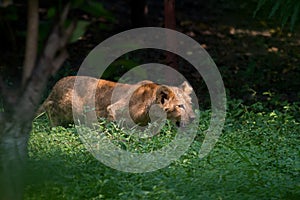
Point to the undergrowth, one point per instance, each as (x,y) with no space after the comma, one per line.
(256,157)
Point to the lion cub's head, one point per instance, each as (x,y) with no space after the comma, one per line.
(176,102)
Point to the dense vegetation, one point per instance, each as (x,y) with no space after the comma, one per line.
(256,157)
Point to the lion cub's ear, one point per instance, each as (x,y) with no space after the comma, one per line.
(163,93)
(186,88)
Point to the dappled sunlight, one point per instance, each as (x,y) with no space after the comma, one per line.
(253,55)
(234,31)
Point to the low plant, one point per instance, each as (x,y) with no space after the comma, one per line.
(256,157)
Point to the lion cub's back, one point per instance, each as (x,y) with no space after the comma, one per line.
(86,89)
(60,102)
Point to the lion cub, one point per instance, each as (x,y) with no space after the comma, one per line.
(174,101)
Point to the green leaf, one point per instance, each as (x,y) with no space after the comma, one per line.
(275,8)
(79,30)
(284,20)
(77,3)
(10,14)
(128,64)
(96,9)
(51,12)
(287,10)
(295,16)
(103,26)
(259,5)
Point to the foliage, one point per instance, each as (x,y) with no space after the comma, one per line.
(257,157)
(285,9)
(48,13)
(90,7)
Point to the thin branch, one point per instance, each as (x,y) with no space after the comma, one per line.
(31,39)
(53,56)
(60,36)
(59,60)
(5,3)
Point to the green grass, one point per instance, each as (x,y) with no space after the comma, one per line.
(256,157)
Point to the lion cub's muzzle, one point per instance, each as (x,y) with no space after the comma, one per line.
(184,122)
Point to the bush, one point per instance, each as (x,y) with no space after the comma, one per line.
(257,157)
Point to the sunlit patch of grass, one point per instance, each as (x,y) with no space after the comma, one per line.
(256,157)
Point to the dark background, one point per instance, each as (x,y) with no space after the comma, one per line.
(257,58)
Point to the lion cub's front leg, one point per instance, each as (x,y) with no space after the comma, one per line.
(113,108)
(124,94)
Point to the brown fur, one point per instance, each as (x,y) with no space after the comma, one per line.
(174,101)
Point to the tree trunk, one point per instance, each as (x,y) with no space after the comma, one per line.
(31,40)
(13,155)
(20,107)
(15,128)
(170,23)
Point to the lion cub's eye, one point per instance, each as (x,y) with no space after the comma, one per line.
(180,106)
